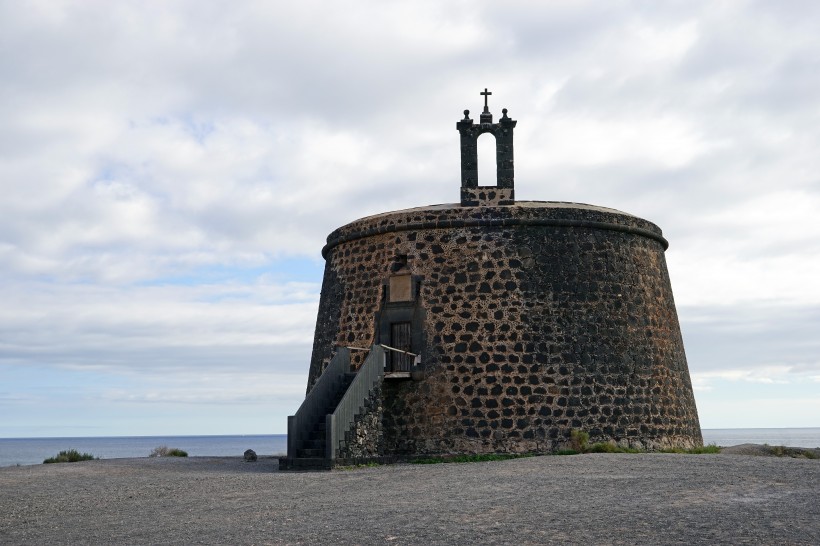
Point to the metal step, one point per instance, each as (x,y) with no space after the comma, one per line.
(314,443)
(309,453)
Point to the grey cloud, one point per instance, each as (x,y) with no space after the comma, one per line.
(730,337)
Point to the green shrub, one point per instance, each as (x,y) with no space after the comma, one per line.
(579,440)
(165,451)
(709,449)
(796,452)
(603,447)
(70,456)
(607,447)
(430,460)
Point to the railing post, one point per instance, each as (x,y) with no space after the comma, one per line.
(330,437)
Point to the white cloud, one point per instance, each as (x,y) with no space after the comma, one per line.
(665,143)
(766,375)
(754,412)
(146,147)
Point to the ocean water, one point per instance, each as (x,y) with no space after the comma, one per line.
(25,451)
(791,437)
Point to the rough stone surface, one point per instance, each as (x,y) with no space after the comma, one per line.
(250,455)
(540,318)
(365,440)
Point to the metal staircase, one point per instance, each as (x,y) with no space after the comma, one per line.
(317,431)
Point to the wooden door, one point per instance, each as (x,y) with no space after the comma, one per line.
(400,339)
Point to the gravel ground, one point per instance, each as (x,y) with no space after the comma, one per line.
(589,499)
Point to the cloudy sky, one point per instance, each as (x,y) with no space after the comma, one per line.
(170,170)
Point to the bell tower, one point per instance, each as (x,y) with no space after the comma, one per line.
(503,193)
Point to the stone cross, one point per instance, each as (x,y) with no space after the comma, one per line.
(485,93)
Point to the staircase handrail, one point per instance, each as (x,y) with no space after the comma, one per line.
(389,348)
(299,425)
(340,421)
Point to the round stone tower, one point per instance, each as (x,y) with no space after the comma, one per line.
(523,320)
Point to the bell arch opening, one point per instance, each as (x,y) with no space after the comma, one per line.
(487,165)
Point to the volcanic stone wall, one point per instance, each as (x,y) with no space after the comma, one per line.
(364,441)
(540,318)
